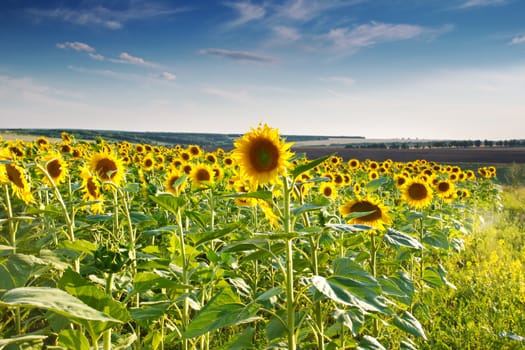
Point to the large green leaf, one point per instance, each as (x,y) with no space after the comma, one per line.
(340,290)
(243,341)
(73,340)
(350,227)
(261,194)
(370,343)
(352,319)
(203,237)
(408,323)
(223,310)
(373,185)
(55,300)
(400,239)
(317,204)
(168,201)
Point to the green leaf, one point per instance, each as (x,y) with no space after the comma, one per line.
(55,300)
(141,218)
(400,239)
(339,290)
(317,204)
(21,339)
(146,281)
(397,288)
(168,201)
(370,343)
(407,345)
(269,294)
(350,227)
(373,185)
(243,341)
(408,323)
(261,194)
(149,313)
(433,278)
(352,319)
(223,310)
(79,245)
(301,168)
(203,237)
(436,239)
(73,340)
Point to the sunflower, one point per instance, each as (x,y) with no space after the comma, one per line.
(107,167)
(42,142)
(56,167)
(92,191)
(372,175)
(14,175)
(377,213)
(328,190)
(201,175)
(65,137)
(148,162)
(417,193)
(262,155)
(171,184)
(400,180)
(227,162)
(195,151)
(444,188)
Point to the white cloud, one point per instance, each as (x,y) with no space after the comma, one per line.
(243,56)
(104,16)
(247,12)
(96,56)
(370,34)
(75,45)
(482,3)
(285,33)
(125,57)
(518,39)
(168,76)
(304,10)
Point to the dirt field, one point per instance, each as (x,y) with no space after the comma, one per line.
(441,155)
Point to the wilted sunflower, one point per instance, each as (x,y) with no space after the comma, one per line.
(201,175)
(56,167)
(377,213)
(417,193)
(262,155)
(107,167)
(14,175)
(170,182)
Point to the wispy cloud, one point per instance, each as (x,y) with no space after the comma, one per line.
(125,57)
(246,12)
(519,39)
(482,3)
(104,16)
(232,95)
(304,10)
(370,34)
(96,56)
(243,56)
(75,45)
(167,76)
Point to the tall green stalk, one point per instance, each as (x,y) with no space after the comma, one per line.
(290,298)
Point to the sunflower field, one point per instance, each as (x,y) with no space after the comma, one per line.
(135,246)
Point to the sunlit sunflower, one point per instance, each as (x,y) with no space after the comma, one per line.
(56,167)
(267,210)
(400,180)
(148,162)
(227,162)
(194,150)
(92,191)
(42,142)
(66,137)
(107,167)
(65,147)
(445,188)
(202,175)
(354,163)
(262,155)
(15,176)
(187,168)
(372,174)
(172,183)
(417,193)
(377,213)
(185,156)
(338,179)
(328,190)
(210,157)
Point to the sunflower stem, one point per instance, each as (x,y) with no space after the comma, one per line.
(290,302)
(185,311)
(107,333)
(12,231)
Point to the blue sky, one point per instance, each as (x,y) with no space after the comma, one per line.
(445,69)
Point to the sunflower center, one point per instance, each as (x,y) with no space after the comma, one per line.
(327,191)
(148,163)
(418,191)
(365,206)
(14,175)
(173,179)
(264,155)
(443,186)
(106,169)
(203,175)
(54,168)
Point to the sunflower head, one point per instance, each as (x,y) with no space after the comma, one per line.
(202,175)
(56,167)
(417,193)
(373,213)
(107,167)
(173,182)
(328,190)
(262,155)
(15,176)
